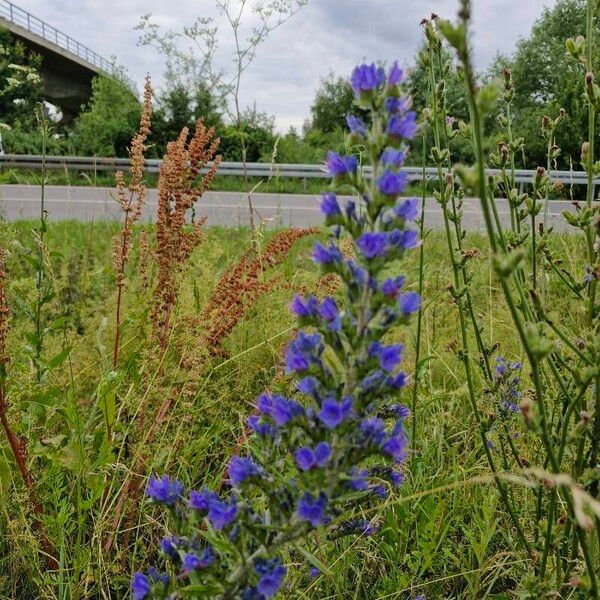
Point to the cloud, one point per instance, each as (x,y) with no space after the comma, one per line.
(325,36)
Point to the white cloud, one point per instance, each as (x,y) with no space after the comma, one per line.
(326,35)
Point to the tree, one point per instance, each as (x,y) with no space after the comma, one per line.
(333,101)
(20,83)
(546,79)
(107,124)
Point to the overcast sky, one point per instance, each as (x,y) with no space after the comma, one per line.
(326,35)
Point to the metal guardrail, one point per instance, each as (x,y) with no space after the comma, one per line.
(13,13)
(263,170)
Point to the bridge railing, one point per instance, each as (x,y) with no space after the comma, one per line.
(263,170)
(14,14)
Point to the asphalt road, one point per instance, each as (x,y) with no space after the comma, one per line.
(228,209)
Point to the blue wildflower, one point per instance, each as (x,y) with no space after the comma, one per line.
(314,572)
(326,255)
(403,239)
(391,287)
(193,562)
(313,509)
(358,479)
(356,125)
(259,427)
(329,205)
(391,157)
(329,312)
(240,469)
(396,446)
(371,431)
(340,166)
(307,459)
(221,514)
(395,105)
(390,357)
(140,586)
(401,127)
(409,303)
(307,385)
(392,184)
(408,210)
(201,500)
(304,308)
(271,573)
(366,78)
(163,490)
(396,74)
(397,381)
(372,245)
(169,545)
(332,413)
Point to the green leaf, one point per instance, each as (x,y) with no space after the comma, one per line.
(59,359)
(313,560)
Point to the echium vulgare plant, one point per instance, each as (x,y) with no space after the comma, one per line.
(338,444)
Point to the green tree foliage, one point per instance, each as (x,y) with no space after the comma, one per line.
(179,107)
(546,79)
(108,122)
(21,87)
(333,101)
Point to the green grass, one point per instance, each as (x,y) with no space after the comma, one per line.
(444,535)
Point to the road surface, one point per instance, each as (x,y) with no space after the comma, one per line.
(228,209)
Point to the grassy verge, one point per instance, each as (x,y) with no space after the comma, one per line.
(444,535)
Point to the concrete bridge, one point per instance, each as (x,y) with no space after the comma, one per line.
(68,66)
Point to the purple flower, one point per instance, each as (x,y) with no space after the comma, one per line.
(312,509)
(392,158)
(397,105)
(314,572)
(372,245)
(396,382)
(372,431)
(307,459)
(328,311)
(326,256)
(259,427)
(365,78)
(391,287)
(332,413)
(396,445)
(408,210)
(280,409)
(404,240)
(304,308)
(271,574)
(140,586)
(307,385)
(221,514)
(201,500)
(396,75)
(241,469)
(169,545)
(409,303)
(392,184)
(164,491)
(390,357)
(340,165)
(303,351)
(356,125)
(329,205)
(402,126)
(358,479)
(193,562)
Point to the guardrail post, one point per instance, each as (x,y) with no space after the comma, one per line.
(11,12)
(28,21)
(304,183)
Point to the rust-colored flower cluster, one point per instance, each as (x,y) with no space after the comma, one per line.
(179,187)
(243,283)
(131,198)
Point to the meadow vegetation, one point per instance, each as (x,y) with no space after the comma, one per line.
(170,429)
